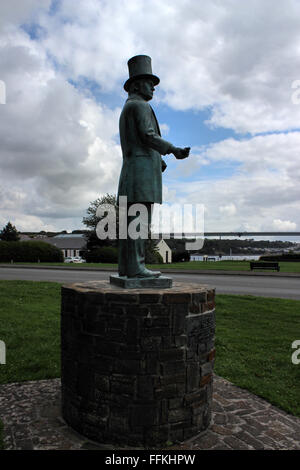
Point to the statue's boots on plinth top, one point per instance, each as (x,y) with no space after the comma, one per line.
(147,273)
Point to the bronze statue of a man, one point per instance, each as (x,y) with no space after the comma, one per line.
(142,147)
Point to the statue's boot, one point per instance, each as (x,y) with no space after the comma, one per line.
(147,273)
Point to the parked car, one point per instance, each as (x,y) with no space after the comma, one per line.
(78,259)
(74,259)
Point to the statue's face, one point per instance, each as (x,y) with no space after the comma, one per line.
(146,88)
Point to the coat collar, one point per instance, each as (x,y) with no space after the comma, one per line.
(135,96)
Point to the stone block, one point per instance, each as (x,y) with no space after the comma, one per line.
(145,387)
(102,382)
(171,368)
(123,385)
(175,403)
(177,298)
(192,377)
(206,369)
(144,415)
(172,355)
(149,298)
(206,379)
(85,382)
(178,320)
(195,399)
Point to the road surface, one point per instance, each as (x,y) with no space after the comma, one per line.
(267,286)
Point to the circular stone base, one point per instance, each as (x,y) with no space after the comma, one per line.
(137,364)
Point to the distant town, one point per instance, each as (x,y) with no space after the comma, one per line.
(74,244)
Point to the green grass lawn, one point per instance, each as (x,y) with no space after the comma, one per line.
(253,340)
(29,326)
(285,267)
(253,347)
(288,267)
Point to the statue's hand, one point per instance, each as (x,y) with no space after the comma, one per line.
(180,153)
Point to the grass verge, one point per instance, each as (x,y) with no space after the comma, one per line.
(253,343)
(30,328)
(253,340)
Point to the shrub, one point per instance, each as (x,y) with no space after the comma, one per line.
(104,254)
(153,258)
(31,251)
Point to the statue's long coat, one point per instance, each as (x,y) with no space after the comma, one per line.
(142,147)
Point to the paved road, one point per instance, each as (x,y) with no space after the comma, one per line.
(267,286)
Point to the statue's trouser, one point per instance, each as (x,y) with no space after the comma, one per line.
(131,252)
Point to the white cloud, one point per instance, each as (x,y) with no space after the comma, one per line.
(229,209)
(16,11)
(263,186)
(284,225)
(57,145)
(164,128)
(238,58)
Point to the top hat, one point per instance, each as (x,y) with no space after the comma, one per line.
(139,66)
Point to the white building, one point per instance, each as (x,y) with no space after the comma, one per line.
(72,244)
(164,250)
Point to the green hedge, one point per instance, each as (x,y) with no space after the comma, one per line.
(105,254)
(154,258)
(285,257)
(29,252)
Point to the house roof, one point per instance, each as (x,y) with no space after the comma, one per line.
(161,240)
(69,235)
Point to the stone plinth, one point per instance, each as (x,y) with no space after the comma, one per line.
(137,364)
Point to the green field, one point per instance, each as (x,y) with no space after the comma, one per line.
(29,326)
(285,267)
(253,344)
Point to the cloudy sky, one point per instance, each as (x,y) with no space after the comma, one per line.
(230,89)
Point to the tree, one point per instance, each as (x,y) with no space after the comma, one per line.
(152,255)
(9,233)
(91,221)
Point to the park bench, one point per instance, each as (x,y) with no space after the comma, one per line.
(264,265)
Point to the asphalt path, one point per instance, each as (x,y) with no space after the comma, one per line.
(266,286)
